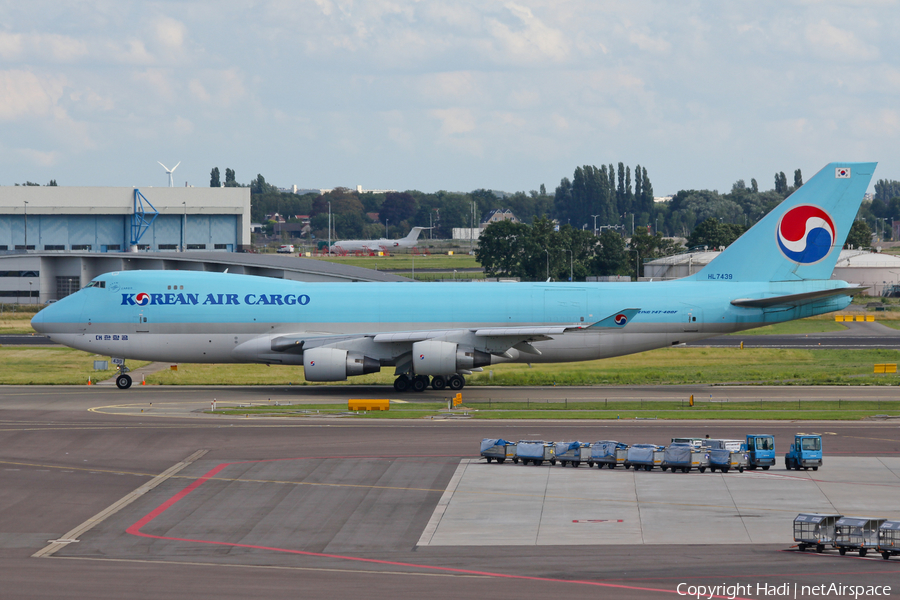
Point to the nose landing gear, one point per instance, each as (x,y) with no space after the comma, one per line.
(123,380)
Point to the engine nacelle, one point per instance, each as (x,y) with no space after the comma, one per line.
(431,357)
(334,364)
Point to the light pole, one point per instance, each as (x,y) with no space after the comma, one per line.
(637,262)
(595,223)
(571,264)
(386,236)
(26,225)
(547,252)
(328,250)
(30,301)
(184,227)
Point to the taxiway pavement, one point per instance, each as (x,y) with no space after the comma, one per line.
(283,508)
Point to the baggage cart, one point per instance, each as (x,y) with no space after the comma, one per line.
(725,455)
(534,452)
(856,533)
(644,456)
(814,530)
(695,442)
(608,453)
(497,449)
(888,539)
(573,453)
(683,456)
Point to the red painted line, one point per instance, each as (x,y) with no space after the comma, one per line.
(135,529)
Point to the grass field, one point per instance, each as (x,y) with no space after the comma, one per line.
(16,318)
(37,365)
(629,410)
(665,366)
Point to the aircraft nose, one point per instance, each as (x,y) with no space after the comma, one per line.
(37,321)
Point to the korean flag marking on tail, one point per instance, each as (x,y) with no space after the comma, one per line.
(621,319)
(805,234)
(842,173)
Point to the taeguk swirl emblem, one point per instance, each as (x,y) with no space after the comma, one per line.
(621,319)
(806,234)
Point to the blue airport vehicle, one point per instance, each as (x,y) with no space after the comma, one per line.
(608,453)
(725,455)
(805,453)
(760,451)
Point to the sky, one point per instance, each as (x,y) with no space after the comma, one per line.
(445,95)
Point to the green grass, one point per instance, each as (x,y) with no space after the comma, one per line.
(34,365)
(801,327)
(16,318)
(618,410)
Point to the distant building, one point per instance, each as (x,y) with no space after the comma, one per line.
(497,215)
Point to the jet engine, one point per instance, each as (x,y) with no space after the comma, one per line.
(334,364)
(431,357)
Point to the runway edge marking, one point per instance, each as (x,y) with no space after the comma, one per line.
(72,536)
(438,514)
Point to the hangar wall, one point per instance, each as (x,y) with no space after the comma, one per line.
(100,219)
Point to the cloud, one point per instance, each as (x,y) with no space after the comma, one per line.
(837,44)
(169,32)
(39,157)
(26,95)
(454,120)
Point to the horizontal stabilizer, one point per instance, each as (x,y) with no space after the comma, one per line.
(617,320)
(797,299)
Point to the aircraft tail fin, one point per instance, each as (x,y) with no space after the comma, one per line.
(802,237)
(413,234)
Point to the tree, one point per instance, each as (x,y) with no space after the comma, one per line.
(754,187)
(398,207)
(502,248)
(52,183)
(798,179)
(712,233)
(259,186)
(214,177)
(610,257)
(886,190)
(781,183)
(860,236)
(230,180)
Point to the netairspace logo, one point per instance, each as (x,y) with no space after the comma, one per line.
(784,590)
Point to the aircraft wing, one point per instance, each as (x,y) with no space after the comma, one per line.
(797,299)
(496,339)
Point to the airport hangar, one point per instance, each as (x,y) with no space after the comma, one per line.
(54,240)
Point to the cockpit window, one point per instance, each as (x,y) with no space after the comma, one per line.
(96,284)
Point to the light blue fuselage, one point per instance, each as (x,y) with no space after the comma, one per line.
(212,317)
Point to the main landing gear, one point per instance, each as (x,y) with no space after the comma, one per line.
(418,383)
(123,379)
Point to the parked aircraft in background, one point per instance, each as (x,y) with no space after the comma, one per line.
(435,333)
(381,245)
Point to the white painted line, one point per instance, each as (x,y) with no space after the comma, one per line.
(442,504)
(72,536)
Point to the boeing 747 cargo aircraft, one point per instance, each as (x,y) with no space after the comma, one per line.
(435,333)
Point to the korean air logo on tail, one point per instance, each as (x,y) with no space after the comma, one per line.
(806,234)
(142,299)
(621,319)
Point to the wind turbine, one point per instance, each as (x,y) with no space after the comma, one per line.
(169,172)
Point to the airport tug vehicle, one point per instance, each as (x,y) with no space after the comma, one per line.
(760,451)
(805,453)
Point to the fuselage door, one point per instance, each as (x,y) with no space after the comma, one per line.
(143,320)
(565,305)
(694,319)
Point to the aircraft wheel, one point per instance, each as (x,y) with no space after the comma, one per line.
(419,383)
(123,382)
(402,383)
(863,551)
(766,468)
(456,382)
(438,382)
(842,551)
